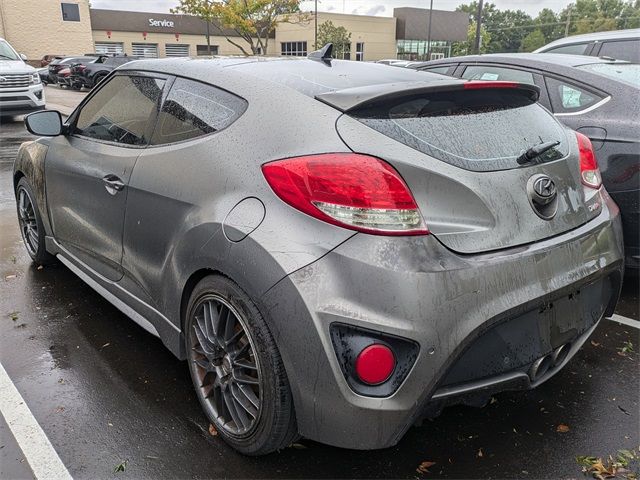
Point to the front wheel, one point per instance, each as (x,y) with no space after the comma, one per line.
(30,222)
(236,369)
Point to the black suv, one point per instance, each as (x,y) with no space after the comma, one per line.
(91,74)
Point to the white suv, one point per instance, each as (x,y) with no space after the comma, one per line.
(21,90)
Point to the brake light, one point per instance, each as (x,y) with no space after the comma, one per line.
(589,171)
(351,190)
(476,84)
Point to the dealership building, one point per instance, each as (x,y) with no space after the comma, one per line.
(40,27)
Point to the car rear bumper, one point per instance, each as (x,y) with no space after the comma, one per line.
(22,100)
(519,305)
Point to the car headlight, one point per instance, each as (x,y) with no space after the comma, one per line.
(35,79)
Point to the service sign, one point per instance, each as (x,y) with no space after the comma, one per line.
(161,23)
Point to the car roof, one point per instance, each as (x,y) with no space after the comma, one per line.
(537,60)
(592,37)
(558,64)
(310,77)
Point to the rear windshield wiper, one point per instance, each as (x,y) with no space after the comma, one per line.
(529,156)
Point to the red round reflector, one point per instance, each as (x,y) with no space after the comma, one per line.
(375,364)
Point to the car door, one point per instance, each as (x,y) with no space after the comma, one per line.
(87,171)
(172,180)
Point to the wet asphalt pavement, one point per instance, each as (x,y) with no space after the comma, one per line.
(105,392)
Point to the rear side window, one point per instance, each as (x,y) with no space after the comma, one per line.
(482,130)
(491,73)
(441,70)
(193,109)
(574,49)
(622,50)
(569,98)
(122,110)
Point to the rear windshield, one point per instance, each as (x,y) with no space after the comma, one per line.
(482,130)
(625,72)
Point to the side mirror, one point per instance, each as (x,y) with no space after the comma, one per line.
(46,122)
(24,57)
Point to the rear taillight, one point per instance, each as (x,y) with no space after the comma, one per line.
(354,191)
(589,171)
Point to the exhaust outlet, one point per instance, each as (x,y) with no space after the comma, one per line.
(560,354)
(540,367)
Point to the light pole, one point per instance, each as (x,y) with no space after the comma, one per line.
(429,32)
(478,24)
(315,21)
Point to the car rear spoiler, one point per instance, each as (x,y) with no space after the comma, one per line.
(353,98)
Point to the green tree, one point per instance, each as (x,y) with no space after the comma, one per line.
(339,36)
(532,41)
(507,27)
(599,15)
(252,20)
(549,24)
(467,47)
(630,15)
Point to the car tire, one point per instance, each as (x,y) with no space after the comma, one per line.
(254,418)
(97,79)
(31,226)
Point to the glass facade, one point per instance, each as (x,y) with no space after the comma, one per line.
(417,49)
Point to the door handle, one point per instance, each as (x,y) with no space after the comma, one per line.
(112,183)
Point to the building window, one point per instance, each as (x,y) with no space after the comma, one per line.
(359,51)
(70,12)
(149,50)
(296,49)
(115,48)
(202,50)
(420,50)
(176,50)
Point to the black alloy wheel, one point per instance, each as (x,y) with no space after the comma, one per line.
(27,221)
(30,222)
(226,365)
(236,368)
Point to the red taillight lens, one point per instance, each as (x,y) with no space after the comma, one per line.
(351,190)
(375,364)
(589,171)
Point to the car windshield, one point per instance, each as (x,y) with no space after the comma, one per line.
(6,52)
(625,72)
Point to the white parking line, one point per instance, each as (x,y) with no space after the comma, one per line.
(629,322)
(36,447)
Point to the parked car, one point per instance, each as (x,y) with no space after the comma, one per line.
(91,74)
(590,95)
(58,64)
(47,59)
(64,76)
(43,73)
(618,44)
(337,248)
(395,62)
(20,88)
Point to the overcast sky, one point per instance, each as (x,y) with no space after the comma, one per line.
(363,7)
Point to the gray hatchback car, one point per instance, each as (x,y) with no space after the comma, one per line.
(338,249)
